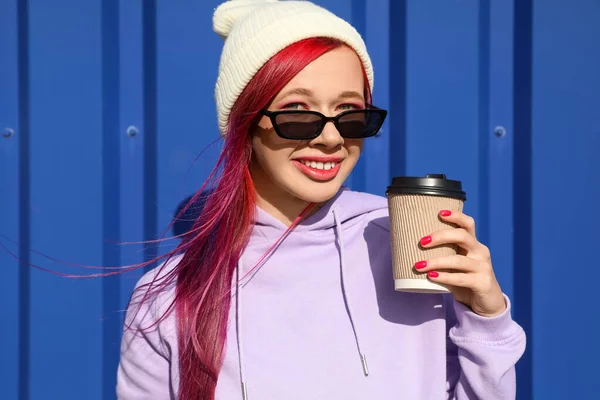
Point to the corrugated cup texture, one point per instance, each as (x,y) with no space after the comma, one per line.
(411,218)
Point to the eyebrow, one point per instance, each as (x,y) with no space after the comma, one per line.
(300,91)
(348,94)
(351,95)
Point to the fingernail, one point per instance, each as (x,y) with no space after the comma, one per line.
(433,274)
(445,213)
(421,264)
(426,240)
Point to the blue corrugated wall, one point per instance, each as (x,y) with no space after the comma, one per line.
(105,104)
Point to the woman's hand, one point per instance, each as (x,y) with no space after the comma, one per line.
(471,280)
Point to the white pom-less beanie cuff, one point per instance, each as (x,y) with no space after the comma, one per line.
(256,30)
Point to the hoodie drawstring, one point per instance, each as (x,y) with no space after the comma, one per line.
(338,228)
(239,322)
(239,336)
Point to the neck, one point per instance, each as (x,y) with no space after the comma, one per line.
(285,208)
(277,202)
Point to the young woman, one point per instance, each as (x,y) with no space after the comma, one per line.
(283,289)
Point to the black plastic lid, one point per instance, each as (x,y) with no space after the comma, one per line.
(432,185)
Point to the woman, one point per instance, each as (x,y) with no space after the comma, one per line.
(284,287)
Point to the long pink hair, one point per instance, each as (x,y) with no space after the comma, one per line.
(213,248)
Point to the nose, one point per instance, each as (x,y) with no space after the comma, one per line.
(329,138)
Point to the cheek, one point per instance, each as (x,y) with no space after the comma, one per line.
(267,159)
(354,148)
(260,153)
(270,154)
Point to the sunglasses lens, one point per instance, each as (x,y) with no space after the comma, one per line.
(360,124)
(301,125)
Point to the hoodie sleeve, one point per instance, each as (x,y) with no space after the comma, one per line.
(481,353)
(145,365)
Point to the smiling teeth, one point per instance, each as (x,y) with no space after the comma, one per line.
(319,165)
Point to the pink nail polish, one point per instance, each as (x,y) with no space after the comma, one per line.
(433,274)
(426,240)
(421,264)
(445,213)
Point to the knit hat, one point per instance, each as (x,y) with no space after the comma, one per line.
(256,30)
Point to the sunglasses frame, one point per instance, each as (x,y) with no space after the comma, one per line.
(324,120)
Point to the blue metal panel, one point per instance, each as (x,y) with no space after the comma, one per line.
(565,198)
(522,188)
(499,153)
(112,321)
(442,101)
(496,151)
(131,142)
(66,197)
(131,152)
(357,180)
(187,65)
(150,117)
(483,117)
(376,152)
(81,73)
(24,200)
(9,201)
(397,88)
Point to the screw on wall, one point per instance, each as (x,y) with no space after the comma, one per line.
(8,133)
(500,131)
(132,131)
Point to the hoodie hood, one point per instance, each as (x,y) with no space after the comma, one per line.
(348,205)
(325,229)
(302,324)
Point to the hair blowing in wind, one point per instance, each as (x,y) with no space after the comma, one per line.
(211,251)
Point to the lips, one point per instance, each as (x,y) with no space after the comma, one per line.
(319,164)
(319,168)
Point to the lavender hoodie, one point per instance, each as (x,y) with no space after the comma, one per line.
(303,324)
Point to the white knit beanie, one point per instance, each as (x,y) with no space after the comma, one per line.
(256,30)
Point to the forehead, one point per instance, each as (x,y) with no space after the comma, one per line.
(335,71)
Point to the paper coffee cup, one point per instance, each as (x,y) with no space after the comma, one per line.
(414,205)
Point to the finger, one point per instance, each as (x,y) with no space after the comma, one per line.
(478,283)
(455,263)
(462,220)
(456,279)
(457,236)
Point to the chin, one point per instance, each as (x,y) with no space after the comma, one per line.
(318,192)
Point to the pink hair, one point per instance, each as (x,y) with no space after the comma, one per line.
(213,248)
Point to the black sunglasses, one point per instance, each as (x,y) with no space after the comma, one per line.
(307,125)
